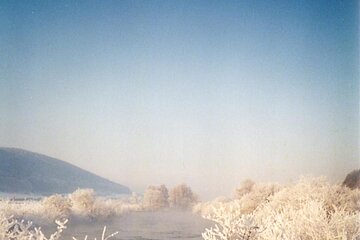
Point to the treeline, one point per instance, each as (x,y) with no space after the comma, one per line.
(85,203)
(159,197)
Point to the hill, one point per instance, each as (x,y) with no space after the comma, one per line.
(26,172)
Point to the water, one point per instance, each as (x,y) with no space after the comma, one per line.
(143,225)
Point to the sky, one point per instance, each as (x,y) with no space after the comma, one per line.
(207,93)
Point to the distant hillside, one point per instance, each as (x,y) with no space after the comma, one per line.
(27,172)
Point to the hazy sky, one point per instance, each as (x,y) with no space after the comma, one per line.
(202,92)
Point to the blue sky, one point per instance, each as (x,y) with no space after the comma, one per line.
(202,92)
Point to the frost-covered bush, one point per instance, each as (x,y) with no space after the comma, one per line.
(83,201)
(22,209)
(182,197)
(12,229)
(6,223)
(86,204)
(156,197)
(207,208)
(307,189)
(312,221)
(311,209)
(258,194)
(57,206)
(100,210)
(126,207)
(231,223)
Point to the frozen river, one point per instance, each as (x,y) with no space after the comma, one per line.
(143,225)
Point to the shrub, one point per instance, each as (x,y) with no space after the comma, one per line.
(231,223)
(311,209)
(12,229)
(259,194)
(310,221)
(57,206)
(207,208)
(83,201)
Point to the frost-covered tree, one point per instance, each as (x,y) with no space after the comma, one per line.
(182,197)
(156,197)
(135,198)
(245,187)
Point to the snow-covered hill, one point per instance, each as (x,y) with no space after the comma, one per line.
(26,172)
